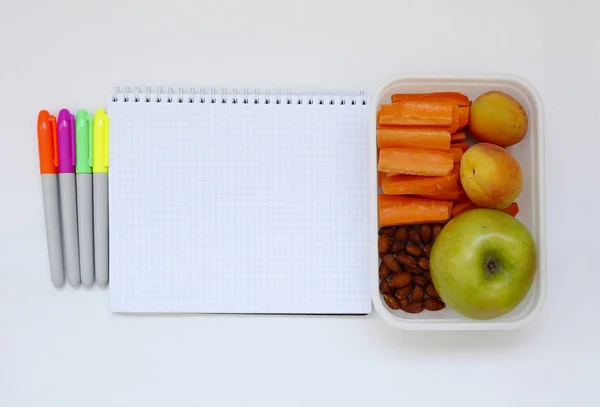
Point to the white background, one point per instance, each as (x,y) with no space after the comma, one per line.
(64,348)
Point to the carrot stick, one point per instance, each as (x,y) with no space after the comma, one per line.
(512,209)
(404,210)
(457,153)
(415,161)
(458,136)
(436,114)
(463,206)
(433,139)
(380,177)
(383,126)
(448,196)
(455,119)
(450,128)
(464,146)
(450,97)
(463,117)
(419,185)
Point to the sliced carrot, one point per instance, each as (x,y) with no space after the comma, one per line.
(433,139)
(457,153)
(450,97)
(404,210)
(415,161)
(448,196)
(436,114)
(464,146)
(419,185)
(463,117)
(458,136)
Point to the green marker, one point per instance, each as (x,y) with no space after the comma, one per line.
(85,218)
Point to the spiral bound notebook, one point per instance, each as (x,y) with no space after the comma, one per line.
(238,202)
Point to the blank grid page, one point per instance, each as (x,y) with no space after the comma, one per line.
(239,207)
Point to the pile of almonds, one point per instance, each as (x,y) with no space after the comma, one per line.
(404,278)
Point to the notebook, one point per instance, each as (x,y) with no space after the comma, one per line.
(225,201)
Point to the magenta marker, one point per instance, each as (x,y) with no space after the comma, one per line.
(68,195)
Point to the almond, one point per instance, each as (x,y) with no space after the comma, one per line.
(413,307)
(387,231)
(428,275)
(391,301)
(426,233)
(427,250)
(414,270)
(433,304)
(430,291)
(385,288)
(400,280)
(391,263)
(384,271)
(397,246)
(418,294)
(436,231)
(414,236)
(406,260)
(403,302)
(401,234)
(420,280)
(424,263)
(404,292)
(414,250)
(384,243)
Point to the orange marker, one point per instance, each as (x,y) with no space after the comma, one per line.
(48,156)
(47,143)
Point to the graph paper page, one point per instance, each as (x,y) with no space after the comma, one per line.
(239,208)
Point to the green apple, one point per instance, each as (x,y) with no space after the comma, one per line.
(483,263)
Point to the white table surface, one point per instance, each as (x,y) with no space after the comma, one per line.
(64,347)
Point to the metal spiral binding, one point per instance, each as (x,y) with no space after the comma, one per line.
(161,94)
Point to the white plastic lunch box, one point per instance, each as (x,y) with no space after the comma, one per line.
(530,154)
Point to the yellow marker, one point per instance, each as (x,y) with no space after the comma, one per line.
(100,182)
(100,149)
